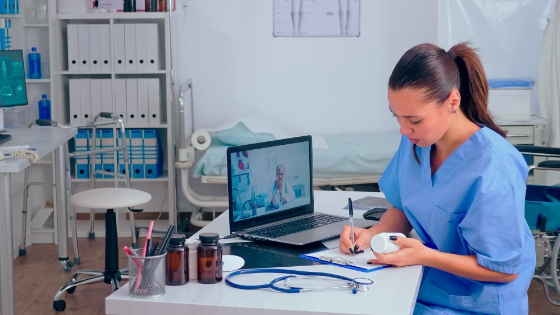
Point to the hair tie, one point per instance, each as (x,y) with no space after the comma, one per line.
(452,55)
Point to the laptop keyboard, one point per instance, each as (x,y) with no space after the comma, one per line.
(4,138)
(296,226)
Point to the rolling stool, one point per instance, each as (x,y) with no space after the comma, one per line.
(110,199)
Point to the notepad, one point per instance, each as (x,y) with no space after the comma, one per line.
(357,262)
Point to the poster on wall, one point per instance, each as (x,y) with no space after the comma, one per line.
(301,18)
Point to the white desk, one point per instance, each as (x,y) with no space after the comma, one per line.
(394,290)
(45,141)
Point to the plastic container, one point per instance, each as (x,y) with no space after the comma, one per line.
(177,261)
(209,253)
(44,108)
(34,64)
(146,276)
(380,243)
(16,117)
(191,246)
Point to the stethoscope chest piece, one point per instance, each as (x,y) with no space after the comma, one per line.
(361,284)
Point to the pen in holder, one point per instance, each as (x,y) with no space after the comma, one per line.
(146,276)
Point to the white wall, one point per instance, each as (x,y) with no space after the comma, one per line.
(312,85)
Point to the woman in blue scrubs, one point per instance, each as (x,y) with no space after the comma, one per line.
(461,186)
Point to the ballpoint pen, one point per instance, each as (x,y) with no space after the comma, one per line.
(351,215)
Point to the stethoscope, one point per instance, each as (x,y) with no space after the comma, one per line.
(356,284)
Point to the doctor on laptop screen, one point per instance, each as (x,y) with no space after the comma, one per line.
(270,180)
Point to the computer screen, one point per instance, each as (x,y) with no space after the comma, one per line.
(13,91)
(270,180)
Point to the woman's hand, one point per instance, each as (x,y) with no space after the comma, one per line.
(362,238)
(412,252)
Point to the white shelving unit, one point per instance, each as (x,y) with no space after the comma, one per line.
(26,33)
(161,188)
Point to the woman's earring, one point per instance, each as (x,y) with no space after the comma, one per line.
(454,111)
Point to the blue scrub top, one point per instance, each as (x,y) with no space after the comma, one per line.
(473,205)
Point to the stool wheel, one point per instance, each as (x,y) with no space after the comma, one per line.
(59,305)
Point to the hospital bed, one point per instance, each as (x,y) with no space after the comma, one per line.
(338,160)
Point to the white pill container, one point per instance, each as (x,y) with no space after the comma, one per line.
(381,243)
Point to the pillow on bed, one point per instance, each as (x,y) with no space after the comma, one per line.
(240,135)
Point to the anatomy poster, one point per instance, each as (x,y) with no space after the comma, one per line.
(294,18)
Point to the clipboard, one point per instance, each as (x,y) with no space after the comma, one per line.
(358,262)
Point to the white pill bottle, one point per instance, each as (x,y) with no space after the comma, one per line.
(381,243)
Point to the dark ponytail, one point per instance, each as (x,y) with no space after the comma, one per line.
(436,72)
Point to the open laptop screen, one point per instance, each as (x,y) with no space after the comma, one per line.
(270,179)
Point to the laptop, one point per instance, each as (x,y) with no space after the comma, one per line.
(270,190)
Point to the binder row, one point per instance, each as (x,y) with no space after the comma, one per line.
(135,47)
(145,153)
(137,101)
(5,38)
(9,6)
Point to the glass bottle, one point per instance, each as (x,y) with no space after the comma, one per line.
(162,6)
(177,261)
(209,254)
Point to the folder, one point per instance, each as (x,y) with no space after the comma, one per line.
(98,157)
(143,101)
(107,97)
(153,154)
(132,101)
(120,157)
(137,153)
(154,112)
(81,163)
(73,55)
(141,48)
(96,98)
(120,56)
(152,46)
(120,99)
(83,48)
(130,46)
(94,48)
(75,102)
(85,101)
(105,47)
(108,141)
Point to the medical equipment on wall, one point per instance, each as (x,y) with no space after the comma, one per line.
(289,282)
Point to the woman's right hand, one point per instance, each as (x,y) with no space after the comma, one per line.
(362,238)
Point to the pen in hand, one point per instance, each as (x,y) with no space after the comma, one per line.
(353,249)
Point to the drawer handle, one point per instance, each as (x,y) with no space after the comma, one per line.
(518,136)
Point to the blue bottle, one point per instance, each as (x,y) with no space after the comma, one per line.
(45,108)
(34,62)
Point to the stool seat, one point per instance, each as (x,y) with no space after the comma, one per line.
(110,198)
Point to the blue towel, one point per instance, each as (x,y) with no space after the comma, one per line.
(499,83)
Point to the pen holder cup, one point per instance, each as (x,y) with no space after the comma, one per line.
(146,276)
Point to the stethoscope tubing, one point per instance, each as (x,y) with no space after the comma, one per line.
(290,274)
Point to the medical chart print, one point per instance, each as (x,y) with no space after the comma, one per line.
(270,180)
(300,18)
